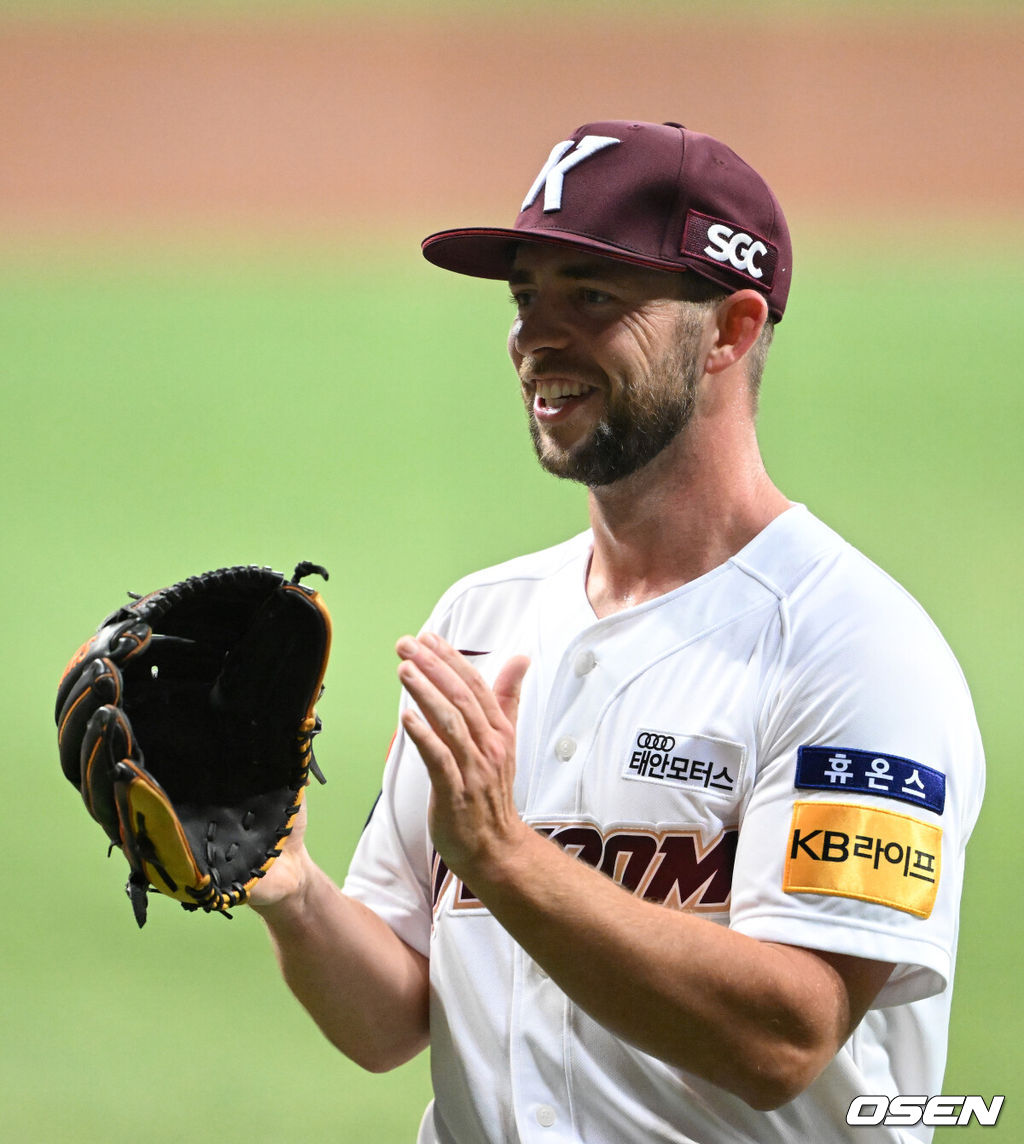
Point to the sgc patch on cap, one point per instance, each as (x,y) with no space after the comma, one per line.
(714,240)
(861,852)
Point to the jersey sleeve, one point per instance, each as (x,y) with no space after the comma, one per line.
(391,869)
(839,848)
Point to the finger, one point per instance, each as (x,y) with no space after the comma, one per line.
(500,702)
(508,687)
(442,768)
(443,715)
(493,704)
(456,682)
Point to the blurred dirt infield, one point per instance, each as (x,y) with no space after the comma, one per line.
(338,126)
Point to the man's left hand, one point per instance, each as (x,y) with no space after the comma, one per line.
(465,732)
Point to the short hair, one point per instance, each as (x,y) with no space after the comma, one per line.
(758,356)
(703,292)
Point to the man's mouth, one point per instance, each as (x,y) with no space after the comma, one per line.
(552,396)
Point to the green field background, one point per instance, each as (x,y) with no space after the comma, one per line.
(166,417)
(170,410)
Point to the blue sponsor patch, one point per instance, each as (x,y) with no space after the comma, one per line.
(867,772)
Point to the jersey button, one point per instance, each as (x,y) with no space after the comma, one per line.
(565,748)
(585,663)
(545,1116)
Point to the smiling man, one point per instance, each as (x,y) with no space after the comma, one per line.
(670,843)
(632,423)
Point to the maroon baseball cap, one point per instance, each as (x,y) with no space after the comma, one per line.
(654,194)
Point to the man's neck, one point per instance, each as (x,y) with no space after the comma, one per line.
(674,521)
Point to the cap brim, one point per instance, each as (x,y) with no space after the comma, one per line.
(488,252)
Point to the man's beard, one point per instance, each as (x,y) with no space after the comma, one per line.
(639,426)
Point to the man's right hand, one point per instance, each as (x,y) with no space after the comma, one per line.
(288,872)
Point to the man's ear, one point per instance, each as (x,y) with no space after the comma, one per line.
(739,320)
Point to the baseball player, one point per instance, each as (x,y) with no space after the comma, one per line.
(671,838)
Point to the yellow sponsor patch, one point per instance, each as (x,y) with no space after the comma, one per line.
(856,851)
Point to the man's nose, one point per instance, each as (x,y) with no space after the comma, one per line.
(540,327)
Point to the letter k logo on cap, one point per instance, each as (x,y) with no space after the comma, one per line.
(561,160)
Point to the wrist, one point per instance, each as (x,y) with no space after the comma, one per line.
(500,870)
(285,890)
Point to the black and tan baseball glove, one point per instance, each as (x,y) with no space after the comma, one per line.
(187,724)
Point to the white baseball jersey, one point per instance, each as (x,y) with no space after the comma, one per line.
(785,746)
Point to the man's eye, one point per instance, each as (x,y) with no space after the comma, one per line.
(595,297)
(519,298)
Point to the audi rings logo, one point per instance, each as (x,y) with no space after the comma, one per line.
(693,761)
(653,741)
